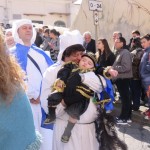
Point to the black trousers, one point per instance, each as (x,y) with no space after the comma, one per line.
(136,91)
(123,86)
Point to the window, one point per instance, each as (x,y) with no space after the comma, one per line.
(36,21)
(59,24)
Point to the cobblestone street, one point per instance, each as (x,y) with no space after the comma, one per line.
(135,135)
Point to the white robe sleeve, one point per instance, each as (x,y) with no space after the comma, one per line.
(91,80)
(49,78)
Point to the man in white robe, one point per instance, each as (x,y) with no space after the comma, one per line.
(34,62)
(67,41)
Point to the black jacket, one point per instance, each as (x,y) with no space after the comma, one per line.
(103,62)
(90,47)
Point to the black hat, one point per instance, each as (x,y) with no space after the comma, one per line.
(91,56)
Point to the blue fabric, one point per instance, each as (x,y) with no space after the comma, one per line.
(109,90)
(21,51)
(145,66)
(16,123)
(44,115)
(47,126)
(47,58)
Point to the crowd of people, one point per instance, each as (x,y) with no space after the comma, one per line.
(127,59)
(54,87)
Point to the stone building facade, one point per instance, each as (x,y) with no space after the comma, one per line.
(48,12)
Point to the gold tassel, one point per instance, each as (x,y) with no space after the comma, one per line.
(83,93)
(81,87)
(106,74)
(102,102)
(59,85)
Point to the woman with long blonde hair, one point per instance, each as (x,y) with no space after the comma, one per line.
(17,130)
(11,74)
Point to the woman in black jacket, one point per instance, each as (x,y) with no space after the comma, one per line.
(105,56)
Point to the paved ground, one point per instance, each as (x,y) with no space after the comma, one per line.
(135,135)
(137,116)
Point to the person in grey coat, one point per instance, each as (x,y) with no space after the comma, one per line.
(45,46)
(123,64)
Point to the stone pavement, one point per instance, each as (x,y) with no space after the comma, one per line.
(136,134)
(137,116)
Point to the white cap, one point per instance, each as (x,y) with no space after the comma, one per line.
(16,25)
(7,31)
(67,39)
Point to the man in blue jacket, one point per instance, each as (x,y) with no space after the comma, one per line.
(145,70)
